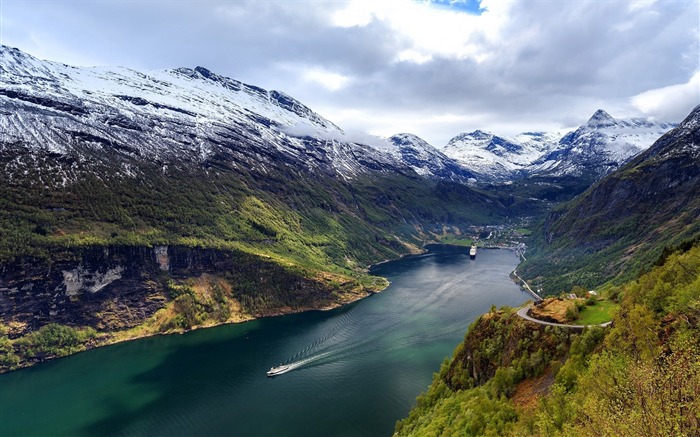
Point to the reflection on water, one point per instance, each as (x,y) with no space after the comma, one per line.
(356,371)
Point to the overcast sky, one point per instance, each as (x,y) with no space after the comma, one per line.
(430,68)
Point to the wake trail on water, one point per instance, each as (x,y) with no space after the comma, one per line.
(334,347)
(364,329)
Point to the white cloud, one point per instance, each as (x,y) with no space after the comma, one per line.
(302,129)
(672,102)
(388,66)
(356,13)
(411,55)
(327,79)
(426,30)
(641,4)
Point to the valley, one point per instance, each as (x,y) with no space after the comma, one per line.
(357,368)
(262,207)
(139,203)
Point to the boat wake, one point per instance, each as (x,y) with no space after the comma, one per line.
(407,325)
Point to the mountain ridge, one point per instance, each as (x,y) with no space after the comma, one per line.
(627,217)
(599,146)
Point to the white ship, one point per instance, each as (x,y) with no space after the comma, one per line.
(472,252)
(274,371)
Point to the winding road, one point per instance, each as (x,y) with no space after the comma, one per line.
(523,312)
(526,286)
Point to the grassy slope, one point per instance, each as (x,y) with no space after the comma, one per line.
(640,377)
(601,312)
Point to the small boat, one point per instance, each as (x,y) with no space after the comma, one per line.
(274,371)
(472,252)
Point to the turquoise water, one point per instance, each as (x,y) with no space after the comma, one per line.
(357,369)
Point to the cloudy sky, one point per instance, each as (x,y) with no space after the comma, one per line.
(433,68)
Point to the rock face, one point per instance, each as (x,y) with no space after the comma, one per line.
(81,288)
(114,288)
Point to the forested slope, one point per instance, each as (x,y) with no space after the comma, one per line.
(640,377)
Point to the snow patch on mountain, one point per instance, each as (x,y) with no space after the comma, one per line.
(190,114)
(499,158)
(426,160)
(598,147)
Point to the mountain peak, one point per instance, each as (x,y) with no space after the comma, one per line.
(480,134)
(408,139)
(11,50)
(692,121)
(601,119)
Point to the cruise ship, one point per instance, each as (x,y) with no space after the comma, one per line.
(472,252)
(274,371)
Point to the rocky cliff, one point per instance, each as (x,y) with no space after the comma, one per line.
(127,291)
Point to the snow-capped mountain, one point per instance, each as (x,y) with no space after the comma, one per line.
(650,203)
(172,115)
(595,149)
(493,157)
(426,160)
(600,146)
(198,116)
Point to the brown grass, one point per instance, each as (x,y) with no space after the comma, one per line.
(552,310)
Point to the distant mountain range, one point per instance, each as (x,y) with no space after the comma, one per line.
(595,149)
(426,160)
(495,158)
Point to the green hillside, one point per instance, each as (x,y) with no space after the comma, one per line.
(240,244)
(307,218)
(640,377)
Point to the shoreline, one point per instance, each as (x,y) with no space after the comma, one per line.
(105,339)
(113,341)
(423,251)
(113,338)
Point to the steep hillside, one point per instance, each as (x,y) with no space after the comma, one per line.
(181,115)
(109,172)
(636,229)
(640,377)
(624,222)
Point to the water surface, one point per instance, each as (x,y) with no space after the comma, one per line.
(357,369)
